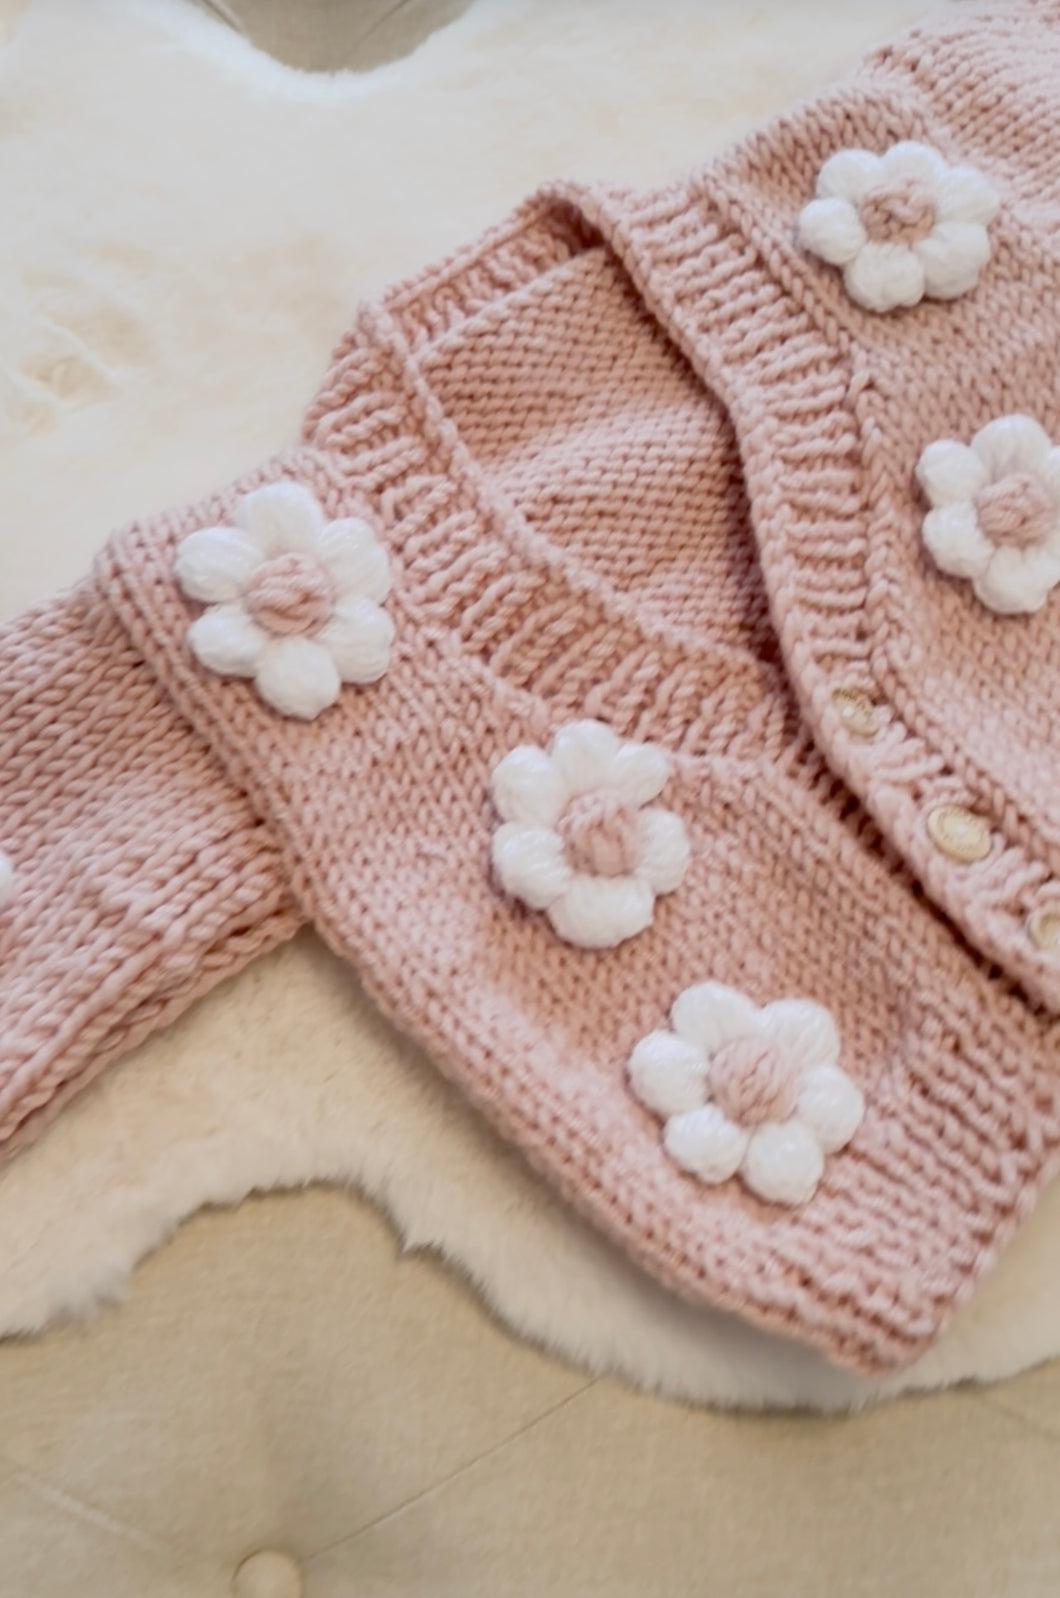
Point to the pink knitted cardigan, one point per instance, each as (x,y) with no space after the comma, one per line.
(645,460)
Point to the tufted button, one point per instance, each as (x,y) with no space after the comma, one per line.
(856,711)
(267,1574)
(959,833)
(1043,928)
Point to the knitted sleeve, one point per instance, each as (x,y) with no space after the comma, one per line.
(140,877)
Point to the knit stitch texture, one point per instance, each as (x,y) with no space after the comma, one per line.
(143,877)
(641,459)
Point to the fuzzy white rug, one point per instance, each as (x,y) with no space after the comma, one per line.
(187,226)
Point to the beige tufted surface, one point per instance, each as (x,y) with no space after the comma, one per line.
(281,1378)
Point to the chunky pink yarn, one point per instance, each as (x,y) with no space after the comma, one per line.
(638,458)
(143,877)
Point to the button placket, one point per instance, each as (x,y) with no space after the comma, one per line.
(959,833)
(859,715)
(1043,927)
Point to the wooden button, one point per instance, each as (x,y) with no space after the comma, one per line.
(959,833)
(856,711)
(1043,928)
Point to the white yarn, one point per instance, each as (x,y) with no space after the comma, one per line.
(831,1105)
(7,880)
(600,912)
(780,1161)
(218,565)
(531,863)
(710,1014)
(1004,577)
(803,1031)
(706,1144)
(531,791)
(226,640)
(528,789)
(668,1074)
(297,677)
(663,848)
(882,274)
(298,673)
(585,752)
(784,1162)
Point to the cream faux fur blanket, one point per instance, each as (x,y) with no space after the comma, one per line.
(188,225)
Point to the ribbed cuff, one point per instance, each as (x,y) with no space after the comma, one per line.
(142,877)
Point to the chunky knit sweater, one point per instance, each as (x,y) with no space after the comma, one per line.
(644,673)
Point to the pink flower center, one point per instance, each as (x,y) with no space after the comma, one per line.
(752,1082)
(1014,511)
(601,835)
(898,213)
(290,594)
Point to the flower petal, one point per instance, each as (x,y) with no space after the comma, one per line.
(883,275)
(665,849)
(601,912)
(847,174)
(1012,444)
(281,518)
(355,560)
(952,256)
(297,677)
(783,1163)
(530,864)
(832,1105)
(526,787)
(358,638)
(963,195)
(215,564)
(804,1032)
(711,1014)
(706,1144)
(831,229)
(1049,472)
(639,772)
(909,159)
(955,542)
(668,1075)
(226,640)
(1018,581)
(584,753)
(949,472)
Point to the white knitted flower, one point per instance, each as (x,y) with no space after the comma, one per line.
(901,225)
(748,1090)
(7,879)
(581,839)
(294,601)
(996,512)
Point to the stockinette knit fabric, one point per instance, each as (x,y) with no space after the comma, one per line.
(658,740)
